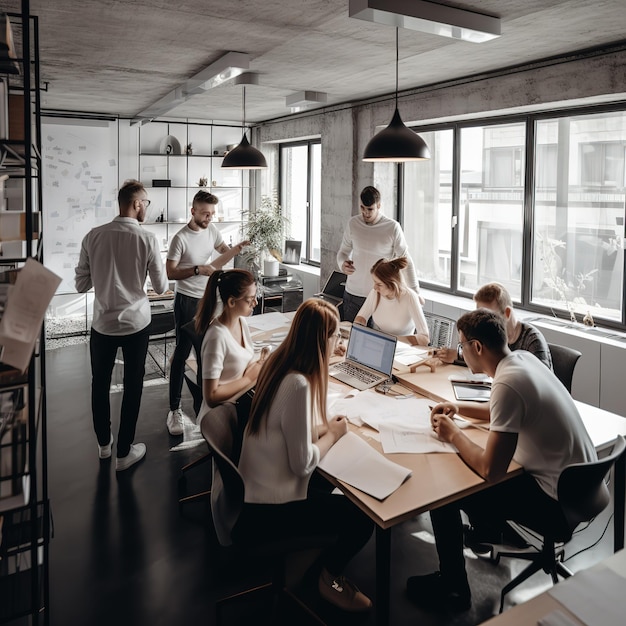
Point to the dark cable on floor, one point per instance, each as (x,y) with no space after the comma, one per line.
(593,544)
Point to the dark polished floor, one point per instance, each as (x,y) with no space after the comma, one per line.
(123,554)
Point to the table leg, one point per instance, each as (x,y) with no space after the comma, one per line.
(619,502)
(383,567)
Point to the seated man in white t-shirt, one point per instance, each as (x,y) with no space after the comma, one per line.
(534,421)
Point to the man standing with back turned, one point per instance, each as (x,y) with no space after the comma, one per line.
(115,259)
(370,236)
(188,264)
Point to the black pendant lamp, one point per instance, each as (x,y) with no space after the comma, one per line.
(244,156)
(396,143)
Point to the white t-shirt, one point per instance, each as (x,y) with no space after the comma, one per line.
(190,248)
(396,316)
(223,358)
(528,400)
(277,463)
(365,244)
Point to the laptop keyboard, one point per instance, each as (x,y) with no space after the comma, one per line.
(358,373)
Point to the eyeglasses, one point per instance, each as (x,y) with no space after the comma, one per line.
(251,300)
(146,201)
(459,348)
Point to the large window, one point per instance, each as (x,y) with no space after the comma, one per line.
(427,204)
(300,190)
(546,219)
(579,219)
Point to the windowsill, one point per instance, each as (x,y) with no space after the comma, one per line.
(302,267)
(595,333)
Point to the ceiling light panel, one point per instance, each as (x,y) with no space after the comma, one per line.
(428,17)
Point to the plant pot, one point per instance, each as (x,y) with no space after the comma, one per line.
(270,267)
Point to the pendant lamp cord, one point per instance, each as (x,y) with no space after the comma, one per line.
(243,106)
(396,67)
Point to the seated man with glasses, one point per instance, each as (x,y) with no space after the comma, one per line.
(520,335)
(534,421)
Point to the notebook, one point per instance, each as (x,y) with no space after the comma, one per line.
(334,288)
(369,358)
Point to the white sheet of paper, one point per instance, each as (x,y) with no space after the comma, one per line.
(25,309)
(409,355)
(355,462)
(395,438)
(596,597)
(269,321)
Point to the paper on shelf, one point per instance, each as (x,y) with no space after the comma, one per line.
(25,309)
(355,462)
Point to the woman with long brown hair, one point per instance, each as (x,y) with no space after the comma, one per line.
(288,432)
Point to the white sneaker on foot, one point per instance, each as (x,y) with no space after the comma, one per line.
(176,422)
(104,452)
(137,452)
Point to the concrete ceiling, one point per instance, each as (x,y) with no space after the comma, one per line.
(120,56)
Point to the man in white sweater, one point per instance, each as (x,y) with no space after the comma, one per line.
(370,236)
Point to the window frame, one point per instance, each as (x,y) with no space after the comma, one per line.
(528,210)
(307,244)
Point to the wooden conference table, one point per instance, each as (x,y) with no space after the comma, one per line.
(438,479)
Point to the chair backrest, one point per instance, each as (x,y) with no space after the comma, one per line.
(441,330)
(222,430)
(582,490)
(564,361)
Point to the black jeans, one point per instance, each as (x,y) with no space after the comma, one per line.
(103,349)
(184,311)
(321,514)
(351,306)
(519,499)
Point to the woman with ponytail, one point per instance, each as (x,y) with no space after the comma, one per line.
(393,307)
(228,364)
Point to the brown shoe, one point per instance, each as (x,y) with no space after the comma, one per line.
(338,590)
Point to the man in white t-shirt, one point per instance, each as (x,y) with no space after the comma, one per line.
(188,264)
(368,237)
(534,421)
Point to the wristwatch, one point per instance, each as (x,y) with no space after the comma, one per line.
(196,270)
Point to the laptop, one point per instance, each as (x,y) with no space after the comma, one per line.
(334,288)
(369,358)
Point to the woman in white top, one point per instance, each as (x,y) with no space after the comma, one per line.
(228,364)
(288,432)
(394,308)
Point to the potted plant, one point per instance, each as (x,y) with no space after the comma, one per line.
(265,229)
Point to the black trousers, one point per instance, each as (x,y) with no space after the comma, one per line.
(184,311)
(322,513)
(103,349)
(519,499)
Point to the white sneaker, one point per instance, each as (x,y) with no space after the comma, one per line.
(176,422)
(104,452)
(137,452)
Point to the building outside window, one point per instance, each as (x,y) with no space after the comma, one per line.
(300,192)
(560,204)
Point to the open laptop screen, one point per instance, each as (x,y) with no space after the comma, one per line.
(371,348)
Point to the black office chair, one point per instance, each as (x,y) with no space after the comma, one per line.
(582,494)
(223,433)
(564,361)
